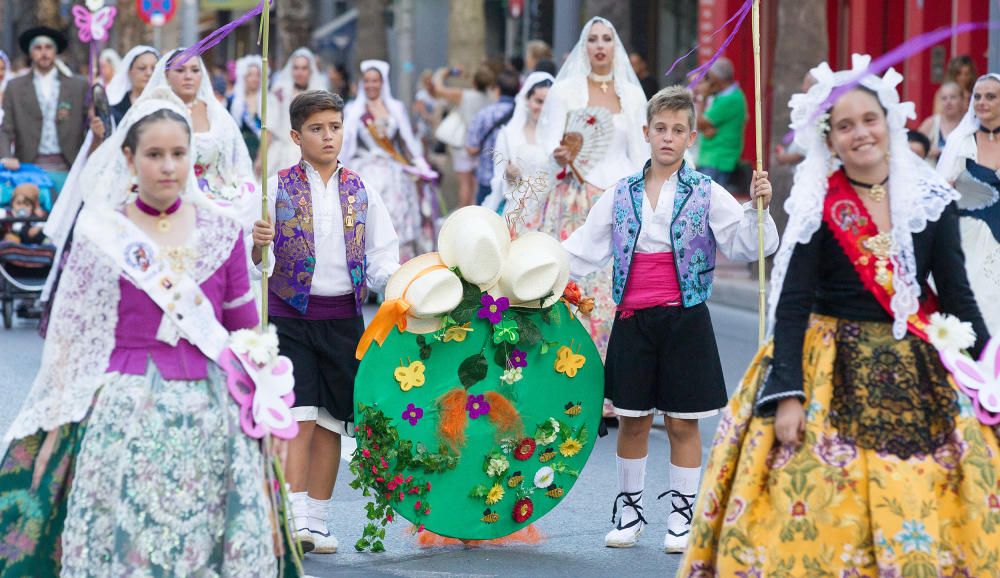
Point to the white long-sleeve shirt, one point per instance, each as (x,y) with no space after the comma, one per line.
(734,227)
(331,276)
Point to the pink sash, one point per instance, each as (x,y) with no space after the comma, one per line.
(652,282)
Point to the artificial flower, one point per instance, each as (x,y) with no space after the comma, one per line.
(572,293)
(261,348)
(570,447)
(505,331)
(496,465)
(495,494)
(492,309)
(457,332)
(517,358)
(547,432)
(586,306)
(544,477)
(525,449)
(413,414)
(948,333)
(477,405)
(512,376)
(523,509)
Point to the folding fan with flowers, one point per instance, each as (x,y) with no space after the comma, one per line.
(588,135)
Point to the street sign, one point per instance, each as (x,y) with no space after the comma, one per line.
(156,12)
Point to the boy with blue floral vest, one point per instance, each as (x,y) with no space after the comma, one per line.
(662,227)
(330,239)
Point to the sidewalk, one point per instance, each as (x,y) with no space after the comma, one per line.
(735,284)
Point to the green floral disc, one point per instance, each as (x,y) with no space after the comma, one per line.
(499,478)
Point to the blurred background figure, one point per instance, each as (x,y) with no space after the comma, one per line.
(108,64)
(721,125)
(453,130)
(962,71)
(649,84)
(301,73)
(950,106)
(919,143)
(244,103)
(482,134)
(535,52)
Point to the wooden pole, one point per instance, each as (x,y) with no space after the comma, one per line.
(265,29)
(759,130)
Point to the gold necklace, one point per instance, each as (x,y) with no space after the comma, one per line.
(876,191)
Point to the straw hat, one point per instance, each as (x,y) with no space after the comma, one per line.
(476,240)
(537,266)
(429,288)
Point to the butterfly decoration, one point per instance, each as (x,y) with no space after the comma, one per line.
(568,362)
(410,376)
(93,26)
(980,379)
(94,5)
(264,394)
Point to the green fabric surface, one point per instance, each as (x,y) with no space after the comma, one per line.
(541,393)
(728,113)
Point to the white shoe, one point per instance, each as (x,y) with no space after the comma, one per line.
(323,542)
(305,539)
(678,522)
(626,535)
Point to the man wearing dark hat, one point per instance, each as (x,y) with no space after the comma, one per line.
(45,112)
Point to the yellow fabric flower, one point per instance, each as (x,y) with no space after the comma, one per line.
(495,494)
(570,447)
(457,332)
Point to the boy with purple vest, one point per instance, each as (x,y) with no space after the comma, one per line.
(332,238)
(662,227)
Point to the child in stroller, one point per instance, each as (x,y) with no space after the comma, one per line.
(25,258)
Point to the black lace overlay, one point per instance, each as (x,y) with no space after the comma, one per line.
(890,396)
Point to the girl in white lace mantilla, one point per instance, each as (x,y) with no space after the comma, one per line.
(127,457)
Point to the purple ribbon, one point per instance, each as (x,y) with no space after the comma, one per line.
(214,38)
(702,70)
(898,54)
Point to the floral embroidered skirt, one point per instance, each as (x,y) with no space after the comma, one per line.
(895,475)
(566,208)
(161,481)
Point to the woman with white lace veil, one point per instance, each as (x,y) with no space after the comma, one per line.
(128,83)
(245,102)
(128,456)
(523,168)
(848,447)
(301,73)
(380,146)
(597,75)
(222,165)
(971,162)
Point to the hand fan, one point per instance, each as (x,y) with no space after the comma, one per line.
(588,134)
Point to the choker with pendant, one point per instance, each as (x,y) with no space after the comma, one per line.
(876,191)
(161,223)
(604,79)
(993,132)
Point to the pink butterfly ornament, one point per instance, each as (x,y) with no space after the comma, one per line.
(979,379)
(93,26)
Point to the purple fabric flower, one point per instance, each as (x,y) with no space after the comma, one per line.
(835,451)
(413,414)
(477,406)
(493,309)
(518,358)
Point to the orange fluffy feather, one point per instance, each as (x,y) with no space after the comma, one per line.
(451,425)
(504,415)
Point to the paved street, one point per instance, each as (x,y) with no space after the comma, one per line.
(574,531)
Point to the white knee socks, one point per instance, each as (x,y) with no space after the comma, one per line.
(631,479)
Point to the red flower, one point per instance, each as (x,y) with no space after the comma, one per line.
(380,479)
(417,505)
(592,120)
(994,502)
(388,517)
(427,511)
(523,509)
(199,170)
(392,485)
(798,509)
(572,293)
(525,449)
(400,495)
(420,528)
(408,479)
(366,453)
(368,431)
(375,446)
(384,464)
(428,486)
(374,470)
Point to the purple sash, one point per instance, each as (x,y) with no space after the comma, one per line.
(294,243)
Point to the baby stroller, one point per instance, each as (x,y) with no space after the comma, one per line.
(23,267)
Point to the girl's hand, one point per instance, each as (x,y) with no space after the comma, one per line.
(790,422)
